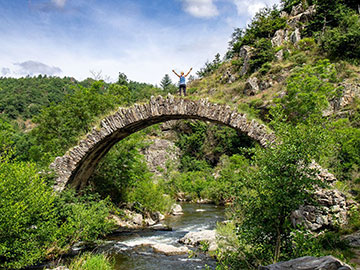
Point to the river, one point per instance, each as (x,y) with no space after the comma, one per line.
(128,251)
(127,254)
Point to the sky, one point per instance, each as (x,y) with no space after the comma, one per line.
(143,39)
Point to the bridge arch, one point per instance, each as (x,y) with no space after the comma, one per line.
(78,164)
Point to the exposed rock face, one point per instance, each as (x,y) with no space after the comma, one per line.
(245,54)
(196,238)
(279,38)
(332,211)
(228,76)
(251,86)
(309,263)
(332,205)
(347,95)
(169,249)
(295,36)
(158,153)
(78,164)
(297,10)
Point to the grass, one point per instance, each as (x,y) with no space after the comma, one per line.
(89,261)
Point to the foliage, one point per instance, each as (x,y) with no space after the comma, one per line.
(167,85)
(203,144)
(347,159)
(308,90)
(233,170)
(210,66)
(263,26)
(282,182)
(59,126)
(35,223)
(82,218)
(25,97)
(263,53)
(344,41)
(88,261)
(27,218)
(124,177)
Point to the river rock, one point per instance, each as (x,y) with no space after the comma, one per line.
(197,238)
(169,250)
(176,210)
(309,263)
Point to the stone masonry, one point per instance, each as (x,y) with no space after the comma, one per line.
(78,164)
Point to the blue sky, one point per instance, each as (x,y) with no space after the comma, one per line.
(144,39)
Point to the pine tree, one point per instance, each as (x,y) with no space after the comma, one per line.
(166,82)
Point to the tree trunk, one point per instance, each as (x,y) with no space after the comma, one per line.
(277,246)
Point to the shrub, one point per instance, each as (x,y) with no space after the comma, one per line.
(27,220)
(344,41)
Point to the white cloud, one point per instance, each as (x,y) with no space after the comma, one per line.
(200,8)
(250,8)
(59,3)
(34,67)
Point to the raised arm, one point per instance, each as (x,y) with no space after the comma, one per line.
(188,72)
(176,73)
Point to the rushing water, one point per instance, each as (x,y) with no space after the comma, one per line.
(128,254)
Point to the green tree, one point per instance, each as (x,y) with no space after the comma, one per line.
(282,182)
(27,220)
(166,84)
(308,90)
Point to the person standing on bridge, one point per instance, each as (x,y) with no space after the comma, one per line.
(182,83)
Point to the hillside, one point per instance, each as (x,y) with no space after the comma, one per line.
(295,68)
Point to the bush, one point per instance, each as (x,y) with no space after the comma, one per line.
(344,41)
(27,218)
(83,218)
(308,90)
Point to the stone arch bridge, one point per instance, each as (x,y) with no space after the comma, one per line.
(78,164)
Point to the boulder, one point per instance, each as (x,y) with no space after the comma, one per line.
(176,210)
(251,86)
(169,250)
(353,239)
(245,54)
(195,238)
(309,263)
